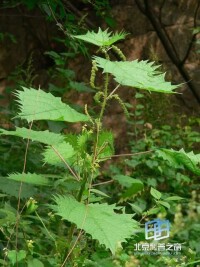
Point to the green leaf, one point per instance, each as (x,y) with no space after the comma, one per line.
(81,87)
(3,195)
(136,208)
(45,137)
(39,105)
(53,156)
(11,188)
(155,193)
(30,178)
(138,74)
(13,255)
(173,198)
(7,216)
(98,220)
(124,180)
(152,211)
(101,38)
(164,203)
(98,192)
(35,263)
(134,185)
(181,158)
(105,144)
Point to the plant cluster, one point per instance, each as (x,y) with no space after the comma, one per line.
(77,224)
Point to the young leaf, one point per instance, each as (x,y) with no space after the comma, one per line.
(101,38)
(98,220)
(138,74)
(30,178)
(45,137)
(64,150)
(181,158)
(39,105)
(155,193)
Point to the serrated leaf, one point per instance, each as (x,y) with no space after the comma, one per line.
(138,74)
(7,216)
(29,178)
(181,158)
(155,193)
(11,188)
(101,38)
(39,105)
(65,150)
(45,137)
(98,220)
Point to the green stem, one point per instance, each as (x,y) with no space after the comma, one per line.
(86,175)
(80,193)
(105,96)
(50,235)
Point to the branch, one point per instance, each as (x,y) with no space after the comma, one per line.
(66,164)
(169,48)
(194,35)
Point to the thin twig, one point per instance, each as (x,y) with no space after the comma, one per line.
(114,91)
(45,226)
(57,22)
(107,182)
(19,196)
(129,154)
(67,165)
(194,35)
(167,44)
(11,234)
(20,190)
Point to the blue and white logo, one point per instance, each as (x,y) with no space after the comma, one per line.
(157,229)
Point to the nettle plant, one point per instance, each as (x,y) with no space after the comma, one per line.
(80,212)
